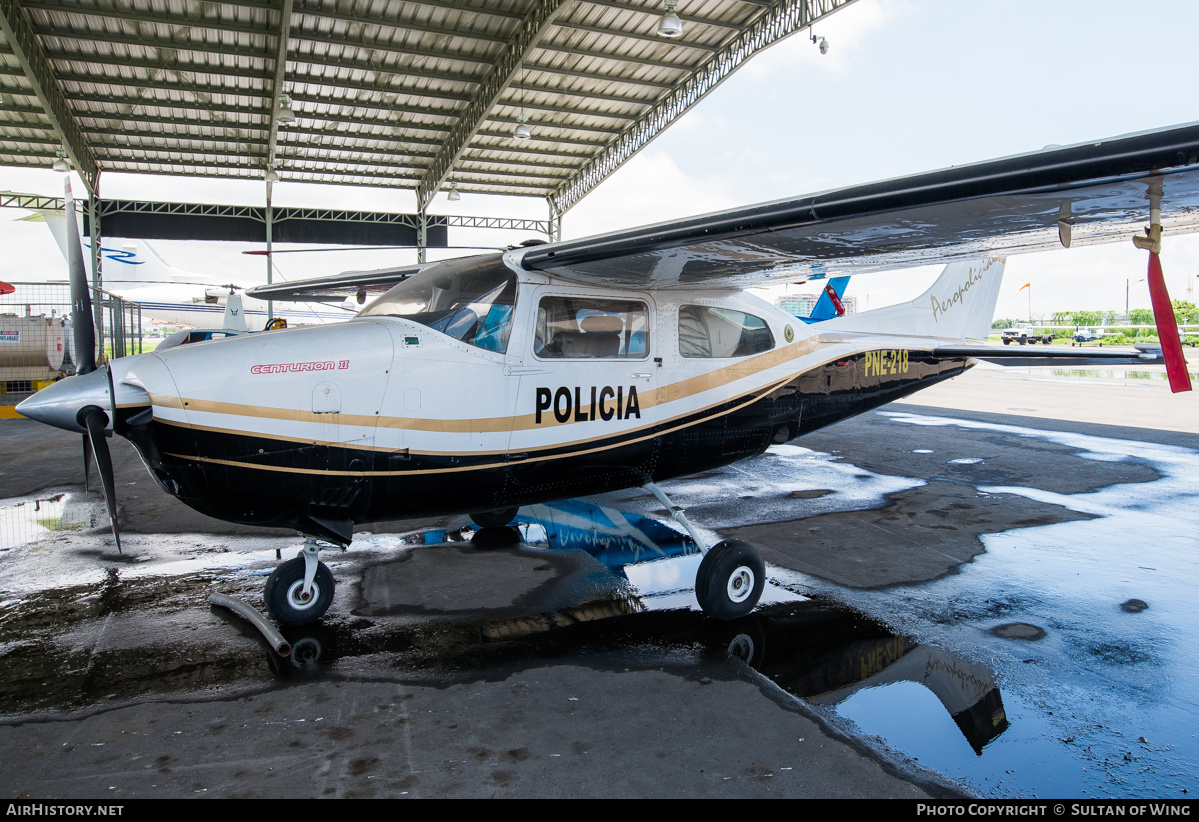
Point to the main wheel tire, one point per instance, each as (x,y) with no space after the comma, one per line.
(495,519)
(284,593)
(730,580)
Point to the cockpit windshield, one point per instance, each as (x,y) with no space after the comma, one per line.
(470,300)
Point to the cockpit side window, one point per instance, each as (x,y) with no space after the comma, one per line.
(469,300)
(706,332)
(591,328)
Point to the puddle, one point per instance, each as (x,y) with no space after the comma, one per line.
(26,520)
(1085,675)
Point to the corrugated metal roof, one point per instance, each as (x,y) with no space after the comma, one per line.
(402,93)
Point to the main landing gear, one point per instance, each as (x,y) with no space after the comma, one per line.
(731,576)
(495,519)
(301,589)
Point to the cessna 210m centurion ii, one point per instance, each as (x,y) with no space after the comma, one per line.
(570,369)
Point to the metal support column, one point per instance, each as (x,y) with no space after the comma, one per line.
(93,218)
(270,305)
(422,235)
(553,226)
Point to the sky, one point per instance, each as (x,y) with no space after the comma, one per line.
(907,86)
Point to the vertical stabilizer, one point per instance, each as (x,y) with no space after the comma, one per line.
(960,305)
(235,319)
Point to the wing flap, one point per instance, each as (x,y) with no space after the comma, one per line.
(1100,190)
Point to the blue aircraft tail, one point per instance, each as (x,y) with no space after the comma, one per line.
(829,304)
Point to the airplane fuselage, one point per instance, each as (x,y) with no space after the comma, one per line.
(556,390)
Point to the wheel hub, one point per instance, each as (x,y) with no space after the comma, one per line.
(741,583)
(298,599)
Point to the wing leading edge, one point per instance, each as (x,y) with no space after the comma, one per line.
(1088,193)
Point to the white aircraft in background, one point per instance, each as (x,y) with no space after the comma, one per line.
(135,272)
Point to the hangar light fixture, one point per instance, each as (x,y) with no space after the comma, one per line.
(452,195)
(521,132)
(61,163)
(285,116)
(671,25)
(271,175)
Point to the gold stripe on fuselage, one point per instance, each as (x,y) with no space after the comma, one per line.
(752,397)
(651,397)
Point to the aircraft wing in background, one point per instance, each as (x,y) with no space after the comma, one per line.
(337,287)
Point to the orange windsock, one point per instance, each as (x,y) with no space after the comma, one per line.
(1021,288)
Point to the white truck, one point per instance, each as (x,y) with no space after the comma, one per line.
(1025,334)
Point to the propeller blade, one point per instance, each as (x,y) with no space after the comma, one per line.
(87,463)
(96,422)
(1167,327)
(83,324)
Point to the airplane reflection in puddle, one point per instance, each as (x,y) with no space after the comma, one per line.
(825,654)
(822,653)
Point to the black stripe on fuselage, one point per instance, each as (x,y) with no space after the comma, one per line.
(255,480)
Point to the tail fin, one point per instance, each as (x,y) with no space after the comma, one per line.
(960,305)
(132,262)
(235,318)
(826,307)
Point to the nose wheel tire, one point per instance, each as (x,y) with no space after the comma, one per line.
(730,580)
(285,598)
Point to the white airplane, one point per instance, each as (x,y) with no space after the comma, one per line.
(135,272)
(570,369)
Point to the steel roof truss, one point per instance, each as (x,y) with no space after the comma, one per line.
(28,52)
(530,31)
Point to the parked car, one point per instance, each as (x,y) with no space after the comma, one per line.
(1025,334)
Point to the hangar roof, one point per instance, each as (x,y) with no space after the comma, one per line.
(413,94)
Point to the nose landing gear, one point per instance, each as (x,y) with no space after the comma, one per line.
(300,590)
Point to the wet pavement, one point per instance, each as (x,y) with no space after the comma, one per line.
(959,603)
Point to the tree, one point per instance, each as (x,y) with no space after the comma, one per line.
(1184,312)
(1087,317)
(1003,324)
(1140,316)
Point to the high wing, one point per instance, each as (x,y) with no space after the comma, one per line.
(337,287)
(1087,193)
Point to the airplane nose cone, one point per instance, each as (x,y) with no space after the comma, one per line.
(59,404)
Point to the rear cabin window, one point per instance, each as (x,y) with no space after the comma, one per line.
(573,328)
(706,332)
